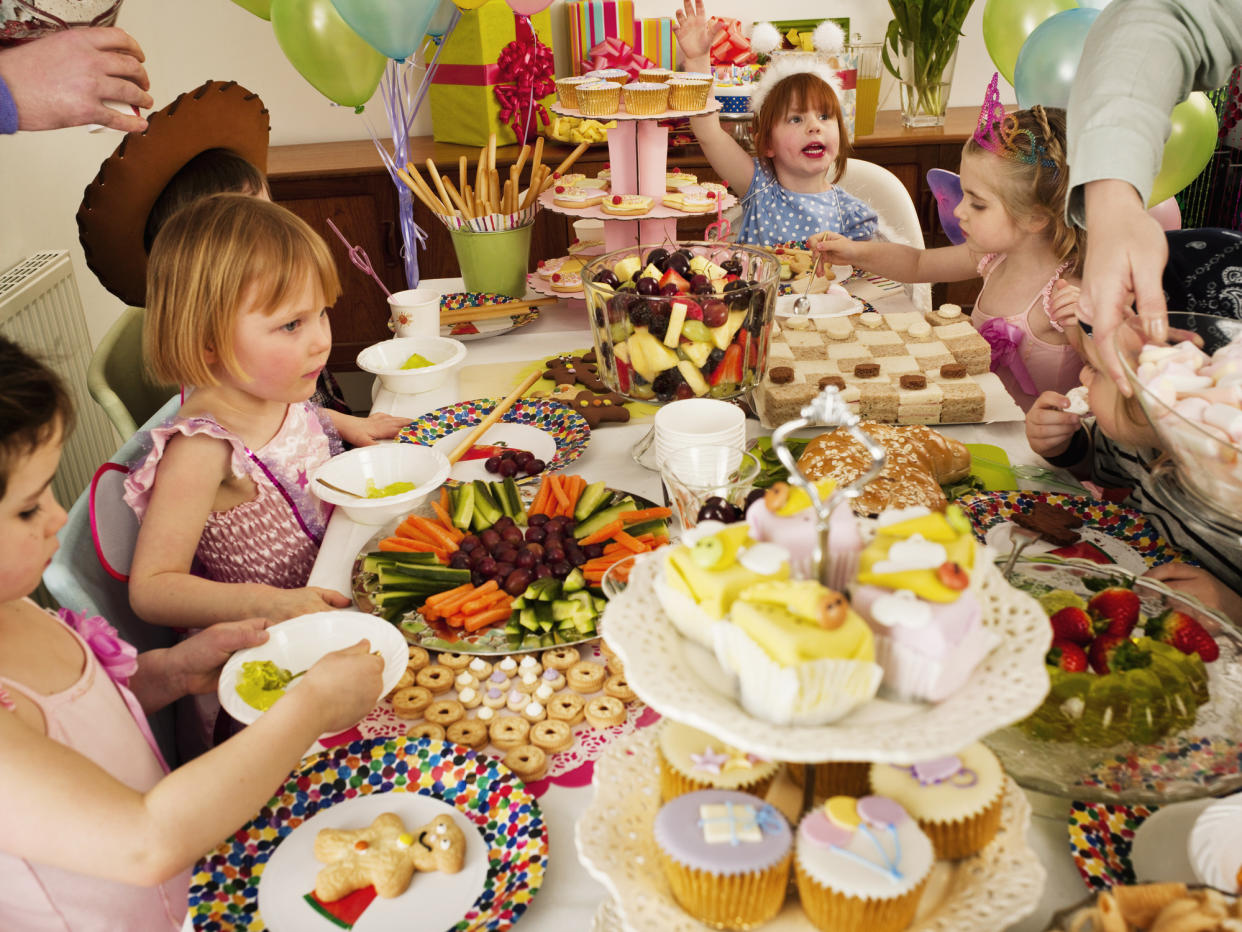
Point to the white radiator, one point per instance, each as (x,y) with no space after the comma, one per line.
(41,310)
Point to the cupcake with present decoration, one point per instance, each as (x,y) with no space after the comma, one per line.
(861,864)
(692,760)
(725,855)
(956,800)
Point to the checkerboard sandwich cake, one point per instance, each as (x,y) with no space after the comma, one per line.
(897,368)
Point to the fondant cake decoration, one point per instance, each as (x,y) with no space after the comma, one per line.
(874,817)
(733,823)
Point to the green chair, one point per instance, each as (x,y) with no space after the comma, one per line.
(117,376)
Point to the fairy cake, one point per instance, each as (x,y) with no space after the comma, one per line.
(785,516)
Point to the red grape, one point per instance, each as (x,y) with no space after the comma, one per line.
(492,464)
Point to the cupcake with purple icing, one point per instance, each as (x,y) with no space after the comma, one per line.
(726,856)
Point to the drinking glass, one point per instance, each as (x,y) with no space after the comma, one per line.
(693,475)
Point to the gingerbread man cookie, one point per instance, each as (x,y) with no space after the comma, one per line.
(575,370)
(594,408)
(385,855)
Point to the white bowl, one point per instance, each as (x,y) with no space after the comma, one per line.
(297,643)
(384,463)
(385,360)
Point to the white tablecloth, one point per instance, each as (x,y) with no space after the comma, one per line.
(569,897)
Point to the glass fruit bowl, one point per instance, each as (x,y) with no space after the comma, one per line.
(1160,725)
(1207,464)
(683,320)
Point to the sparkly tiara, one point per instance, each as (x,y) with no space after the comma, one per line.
(998,132)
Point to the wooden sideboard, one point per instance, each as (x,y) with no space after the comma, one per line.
(347,182)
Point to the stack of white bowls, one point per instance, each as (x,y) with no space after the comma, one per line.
(696,422)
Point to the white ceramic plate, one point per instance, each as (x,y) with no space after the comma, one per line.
(1158,850)
(297,643)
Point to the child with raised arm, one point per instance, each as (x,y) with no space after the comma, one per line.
(1012,212)
(790,191)
(237,310)
(97,833)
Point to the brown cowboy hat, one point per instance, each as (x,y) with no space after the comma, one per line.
(116,204)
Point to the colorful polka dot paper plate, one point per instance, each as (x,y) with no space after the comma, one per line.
(479,330)
(552,431)
(1101,837)
(259,878)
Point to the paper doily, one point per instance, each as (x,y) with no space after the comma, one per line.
(989,891)
(682,680)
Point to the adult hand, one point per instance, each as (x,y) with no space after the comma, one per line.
(346,685)
(64,79)
(1202,585)
(364,431)
(1063,308)
(290,603)
(198,658)
(694,33)
(1049,427)
(1126,255)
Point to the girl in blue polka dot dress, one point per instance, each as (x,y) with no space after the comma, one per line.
(800,137)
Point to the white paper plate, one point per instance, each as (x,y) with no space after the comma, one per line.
(835,302)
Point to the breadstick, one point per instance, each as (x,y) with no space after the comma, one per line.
(463,172)
(521,159)
(491,152)
(493,180)
(447,183)
(434,173)
(426,189)
(571,158)
(536,166)
(435,208)
(480,173)
(512,184)
(496,414)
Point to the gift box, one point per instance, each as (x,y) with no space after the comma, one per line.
(654,38)
(592,22)
(483,78)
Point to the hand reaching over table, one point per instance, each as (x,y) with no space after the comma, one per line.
(364,431)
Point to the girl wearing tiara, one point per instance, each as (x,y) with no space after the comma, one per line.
(791,189)
(1012,214)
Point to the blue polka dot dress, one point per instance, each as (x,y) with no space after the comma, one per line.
(773,214)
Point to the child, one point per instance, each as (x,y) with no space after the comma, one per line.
(1118,449)
(1014,181)
(237,308)
(103,835)
(800,136)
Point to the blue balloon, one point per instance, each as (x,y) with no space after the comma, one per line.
(393,27)
(441,19)
(1048,59)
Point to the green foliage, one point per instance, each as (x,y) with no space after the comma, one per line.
(927,30)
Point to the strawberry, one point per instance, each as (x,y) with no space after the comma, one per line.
(671,276)
(1114,607)
(1113,652)
(1179,630)
(1072,624)
(1067,656)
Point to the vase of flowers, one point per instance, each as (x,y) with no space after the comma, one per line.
(920,50)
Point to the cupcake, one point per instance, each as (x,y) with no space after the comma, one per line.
(726,856)
(786,516)
(692,760)
(645,99)
(686,94)
(567,91)
(861,864)
(956,800)
(655,75)
(835,778)
(614,75)
(599,98)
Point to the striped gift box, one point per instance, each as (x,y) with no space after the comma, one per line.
(654,38)
(593,21)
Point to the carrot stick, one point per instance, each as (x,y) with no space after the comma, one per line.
(630,543)
(574,486)
(483,602)
(539,502)
(448,595)
(562,500)
(446,500)
(434,531)
(399,544)
(454,621)
(607,531)
(489,617)
(445,519)
(644,514)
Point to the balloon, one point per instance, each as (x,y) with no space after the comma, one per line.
(529,7)
(1095,4)
(393,27)
(1168,214)
(1049,58)
(1189,148)
(260,8)
(1007,23)
(468,5)
(325,51)
(441,19)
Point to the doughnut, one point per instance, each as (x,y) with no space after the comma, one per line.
(436,678)
(419,658)
(508,731)
(566,707)
(604,712)
(470,732)
(480,668)
(554,678)
(530,664)
(455,662)
(445,712)
(411,701)
(469,697)
(551,735)
(527,761)
(560,658)
(585,677)
(407,679)
(426,730)
(617,687)
(534,712)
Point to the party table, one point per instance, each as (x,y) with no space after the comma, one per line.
(569,897)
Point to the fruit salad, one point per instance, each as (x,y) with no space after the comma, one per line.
(686,321)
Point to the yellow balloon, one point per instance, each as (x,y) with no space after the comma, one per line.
(1189,147)
(468,5)
(843,811)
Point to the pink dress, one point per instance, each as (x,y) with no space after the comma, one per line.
(1027,365)
(101,720)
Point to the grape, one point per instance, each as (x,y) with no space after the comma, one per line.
(517,580)
(468,543)
(503,522)
(554,554)
(503,570)
(535,533)
(700,284)
(573,553)
(507,468)
(535,467)
(536,551)
(715,312)
(561,522)
(505,553)
(524,559)
(542,571)
(477,578)
(524,458)
(593,551)
(460,560)
(537,520)
(751,497)
(487,567)
(492,464)
(512,535)
(508,454)
(670,289)
(490,538)
(560,569)
(477,556)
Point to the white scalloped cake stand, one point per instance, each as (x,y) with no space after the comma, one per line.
(712,106)
(682,680)
(990,891)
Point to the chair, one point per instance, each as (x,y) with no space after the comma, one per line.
(1204,272)
(117,377)
(78,581)
(899,220)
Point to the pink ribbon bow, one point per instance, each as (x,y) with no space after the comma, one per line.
(729,46)
(119,658)
(525,68)
(614,52)
(1006,342)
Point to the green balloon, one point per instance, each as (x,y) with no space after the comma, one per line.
(1189,148)
(326,52)
(1007,23)
(260,8)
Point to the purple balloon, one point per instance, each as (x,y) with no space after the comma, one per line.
(947,189)
(821,830)
(880,811)
(936,770)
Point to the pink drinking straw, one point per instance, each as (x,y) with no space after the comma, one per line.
(359,258)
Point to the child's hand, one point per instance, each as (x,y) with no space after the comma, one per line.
(1063,306)
(694,31)
(364,431)
(1049,427)
(345,685)
(1200,584)
(198,659)
(834,248)
(290,603)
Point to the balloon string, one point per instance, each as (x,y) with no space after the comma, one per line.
(425,85)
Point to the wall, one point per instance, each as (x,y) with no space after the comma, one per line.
(190,41)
